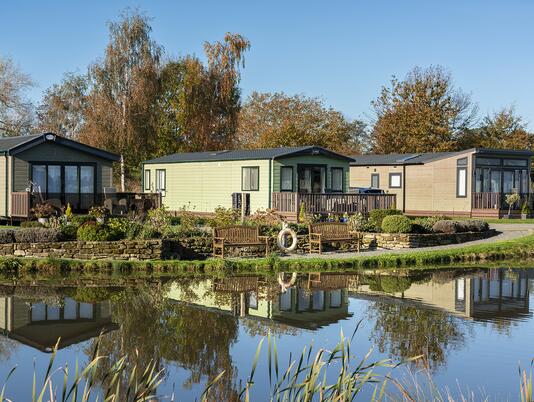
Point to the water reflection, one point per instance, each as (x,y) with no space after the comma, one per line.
(201,326)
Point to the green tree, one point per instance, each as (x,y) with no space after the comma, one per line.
(16,111)
(503,129)
(276,119)
(63,107)
(199,104)
(425,112)
(122,101)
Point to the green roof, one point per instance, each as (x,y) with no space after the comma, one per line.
(247,154)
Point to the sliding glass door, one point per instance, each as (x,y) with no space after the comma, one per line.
(68,183)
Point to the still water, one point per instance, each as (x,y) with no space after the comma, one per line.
(474,327)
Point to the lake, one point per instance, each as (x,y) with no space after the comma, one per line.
(473,326)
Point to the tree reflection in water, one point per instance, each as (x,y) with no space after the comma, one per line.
(153,328)
(405,331)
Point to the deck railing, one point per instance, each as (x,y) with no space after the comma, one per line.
(495,201)
(332,202)
(119,203)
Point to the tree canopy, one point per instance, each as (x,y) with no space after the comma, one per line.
(276,119)
(425,112)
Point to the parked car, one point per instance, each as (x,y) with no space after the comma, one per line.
(365,190)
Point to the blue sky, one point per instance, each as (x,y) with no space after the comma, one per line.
(342,51)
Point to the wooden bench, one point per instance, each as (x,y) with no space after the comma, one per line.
(331,232)
(238,236)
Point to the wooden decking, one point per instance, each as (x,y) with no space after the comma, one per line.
(23,202)
(331,203)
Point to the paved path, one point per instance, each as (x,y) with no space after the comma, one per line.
(508,231)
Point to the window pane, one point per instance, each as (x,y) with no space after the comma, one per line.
(495,181)
(286,178)
(524,181)
(515,162)
(285,300)
(38,312)
(250,178)
(39,178)
(375,181)
(86,310)
(337,179)
(462,182)
(462,162)
(54,181)
(318,300)
(488,161)
(478,180)
(160,180)
(70,309)
(71,179)
(303,300)
(508,182)
(395,180)
(87,179)
(147,179)
(52,313)
(335,298)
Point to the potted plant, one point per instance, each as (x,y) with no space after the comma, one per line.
(43,212)
(99,213)
(68,212)
(525,211)
(511,199)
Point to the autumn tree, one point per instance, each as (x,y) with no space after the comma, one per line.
(16,111)
(63,107)
(425,112)
(277,119)
(121,111)
(199,104)
(503,129)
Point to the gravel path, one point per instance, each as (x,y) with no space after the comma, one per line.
(508,231)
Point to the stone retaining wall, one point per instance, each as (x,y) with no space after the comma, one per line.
(94,250)
(412,240)
(201,247)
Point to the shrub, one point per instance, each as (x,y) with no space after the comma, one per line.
(78,220)
(473,225)
(7,236)
(37,235)
(99,212)
(159,218)
(127,228)
(92,231)
(225,217)
(43,210)
(525,209)
(377,215)
(396,224)
(149,232)
(446,227)
(394,284)
(427,223)
(358,222)
(68,232)
(31,224)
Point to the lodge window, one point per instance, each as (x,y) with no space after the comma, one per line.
(495,175)
(375,180)
(161,181)
(147,179)
(337,179)
(68,182)
(286,178)
(250,178)
(395,180)
(461,182)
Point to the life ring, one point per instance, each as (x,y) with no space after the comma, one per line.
(284,285)
(281,240)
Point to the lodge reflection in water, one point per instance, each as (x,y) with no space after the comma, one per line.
(305,302)
(484,295)
(39,324)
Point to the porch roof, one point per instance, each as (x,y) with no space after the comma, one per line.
(425,157)
(247,154)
